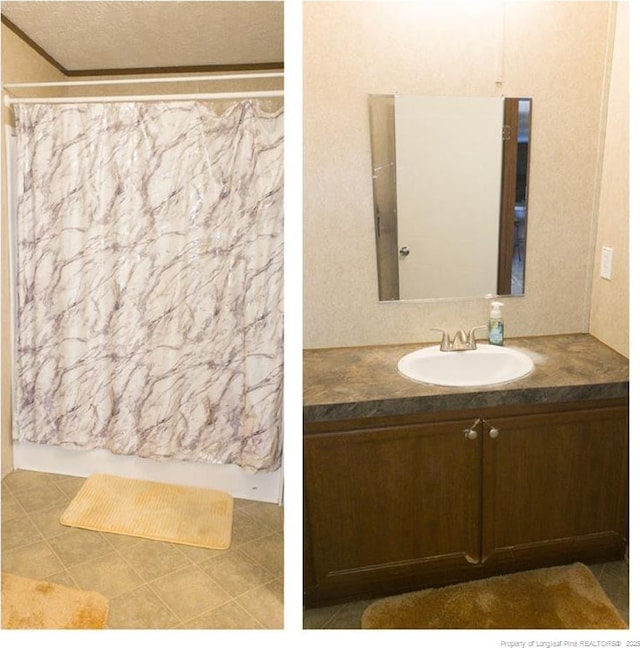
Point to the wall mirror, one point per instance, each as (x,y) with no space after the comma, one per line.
(450,179)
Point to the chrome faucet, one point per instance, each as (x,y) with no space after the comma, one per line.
(461,341)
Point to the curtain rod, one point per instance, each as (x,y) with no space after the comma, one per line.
(185,79)
(8,100)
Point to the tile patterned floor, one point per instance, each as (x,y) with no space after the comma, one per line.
(149,584)
(612,576)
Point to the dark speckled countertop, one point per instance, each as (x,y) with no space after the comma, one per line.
(355,382)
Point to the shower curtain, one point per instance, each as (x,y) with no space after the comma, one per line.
(149,287)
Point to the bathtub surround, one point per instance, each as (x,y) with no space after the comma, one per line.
(149,280)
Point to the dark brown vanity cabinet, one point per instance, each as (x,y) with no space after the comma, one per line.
(401,503)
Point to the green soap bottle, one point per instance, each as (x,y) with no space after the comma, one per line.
(496,324)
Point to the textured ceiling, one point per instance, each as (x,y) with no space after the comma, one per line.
(98,35)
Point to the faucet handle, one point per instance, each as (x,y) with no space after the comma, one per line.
(472,335)
(445,342)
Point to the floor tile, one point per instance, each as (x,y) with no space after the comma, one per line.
(267,551)
(76,546)
(152,560)
(123,543)
(269,514)
(235,572)
(189,592)
(265,603)
(227,616)
(24,479)
(18,532)
(140,609)
(109,574)
(246,528)
(349,616)
(318,618)
(37,561)
(48,521)
(40,497)
(10,506)
(62,578)
(70,485)
(199,554)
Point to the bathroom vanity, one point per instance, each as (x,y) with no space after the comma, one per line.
(408,485)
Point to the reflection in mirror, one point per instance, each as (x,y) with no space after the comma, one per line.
(450,195)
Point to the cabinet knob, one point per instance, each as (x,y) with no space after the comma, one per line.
(471,432)
(493,433)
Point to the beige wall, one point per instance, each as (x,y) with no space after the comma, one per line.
(20,63)
(610,299)
(554,52)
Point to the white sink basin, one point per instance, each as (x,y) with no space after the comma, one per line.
(485,365)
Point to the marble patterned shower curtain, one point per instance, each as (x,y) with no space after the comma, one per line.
(149,280)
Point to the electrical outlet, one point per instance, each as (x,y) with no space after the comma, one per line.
(606,260)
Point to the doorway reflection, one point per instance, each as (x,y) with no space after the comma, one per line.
(520,207)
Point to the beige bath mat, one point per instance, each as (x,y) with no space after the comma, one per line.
(556,597)
(181,514)
(38,605)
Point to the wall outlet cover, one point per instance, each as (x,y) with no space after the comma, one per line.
(606,261)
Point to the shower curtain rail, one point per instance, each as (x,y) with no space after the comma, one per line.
(9,100)
(180,79)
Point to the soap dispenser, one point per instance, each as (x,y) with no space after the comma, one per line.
(496,324)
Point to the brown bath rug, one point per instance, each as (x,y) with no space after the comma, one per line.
(181,514)
(37,605)
(556,597)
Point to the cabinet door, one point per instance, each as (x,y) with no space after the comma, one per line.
(555,486)
(384,507)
